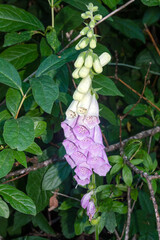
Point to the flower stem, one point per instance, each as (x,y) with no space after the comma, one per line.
(52,12)
(96,233)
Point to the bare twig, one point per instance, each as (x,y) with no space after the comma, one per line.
(103,19)
(128,214)
(117,235)
(67,196)
(152,39)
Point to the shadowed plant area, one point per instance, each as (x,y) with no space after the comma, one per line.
(79,119)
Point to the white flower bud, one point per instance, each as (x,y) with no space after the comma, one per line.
(93,42)
(95,8)
(80,60)
(90,33)
(84,104)
(84,31)
(104,58)
(83,72)
(83,43)
(77,96)
(97,65)
(84,84)
(77,47)
(92,24)
(98,17)
(90,6)
(94,108)
(72,110)
(84,16)
(75,73)
(88,60)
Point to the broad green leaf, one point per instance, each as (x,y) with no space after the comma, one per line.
(134,194)
(115,159)
(151,3)
(34,189)
(105,205)
(21,130)
(52,39)
(111,3)
(65,98)
(81,5)
(107,114)
(69,203)
(14,19)
(116,168)
(145,121)
(6,162)
(139,110)
(20,157)
(128,27)
(17,199)
(21,220)
(4,115)
(119,207)
(110,223)
(127,175)
(53,62)
(56,175)
(3,228)
(14,38)
(4,209)
(80,223)
(39,128)
(147,160)
(20,55)
(71,19)
(67,222)
(63,78)
(34,149)
(151,16)
(104,188)
(13,99)
(136,161)
(9,75)
(145,202)
(132,147)
(106,86)
(30,238)
(40,221)
(45,92)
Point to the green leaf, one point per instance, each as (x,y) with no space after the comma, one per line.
(132,147)
(116,168)
(14,19)
(9,75)
(53,62)
(13,99)
(6,162)
(127,175)
(80,223)
(139,110)
(20,157)
(52,39)
(107,86)
(110,223)
(115,159)
(17,199)
(145,202)
(21,130)
(69,203)
(56,175)
(34,189)
(119,207)
(151,3)
(151,16)
(81,5)
(20,220)
(134,194)
(45,92)
(4,209)
(145,121)
(136,161)
(105,205)
(128,27)
(34,149)
(14,38)
(4,225)
(4,115)
(67,222)
(71,19)
(39,128)
(111,3)
(20,55)
(147,160)
(107,114)
(40,221)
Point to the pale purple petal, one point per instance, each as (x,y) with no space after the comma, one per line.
(96,149)
(81,182)
(83,171)
(78,157)
(81,132)
(70,147)
(102,170)
(85,143)
(98,135)
(104,156)
(91,210)
(70,161)
(71,122)
(91,121)
(95,162)
(85,199)
(67,129)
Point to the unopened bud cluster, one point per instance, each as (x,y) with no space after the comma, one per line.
(84,147)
